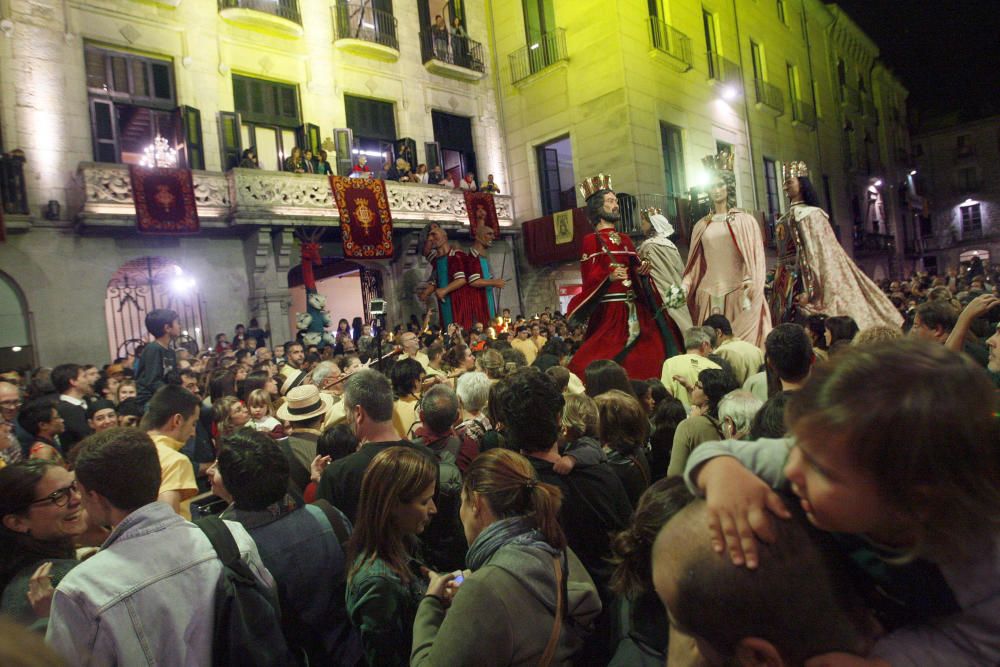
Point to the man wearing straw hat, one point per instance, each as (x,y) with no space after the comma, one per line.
(304,409)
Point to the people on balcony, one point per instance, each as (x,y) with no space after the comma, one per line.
(322,164)
(248,160)
(468,183)
(309,161)
(459,45)
(439,36)
(294,162)
(490,186)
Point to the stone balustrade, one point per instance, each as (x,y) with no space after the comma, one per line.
(259,197)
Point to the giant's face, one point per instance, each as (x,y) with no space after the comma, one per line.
(437,239)
(718,191)
(792,187)
(485,234)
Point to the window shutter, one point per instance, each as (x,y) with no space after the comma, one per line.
(343,139)
(194,147)
(229,139)
(104,129)
(432,155)
(311,138)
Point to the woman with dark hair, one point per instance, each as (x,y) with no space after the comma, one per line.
(640,625)
(666,418)
(814,274)
(40,517)
(703,425)
(840,327)
(526,598)
(406,375)
(356,326)
(384,587)
(726,268)
(604,375)
(623,428)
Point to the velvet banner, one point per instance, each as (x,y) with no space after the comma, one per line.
(164,200)
(365,219)
(540,237)
(481,208)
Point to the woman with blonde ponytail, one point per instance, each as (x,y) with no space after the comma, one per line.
(526,599)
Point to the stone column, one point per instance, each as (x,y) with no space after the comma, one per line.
(269,298)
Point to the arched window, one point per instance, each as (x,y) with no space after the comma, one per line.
(15,333)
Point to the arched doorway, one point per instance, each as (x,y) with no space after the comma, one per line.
(16,349)
(348,287)
(143,285)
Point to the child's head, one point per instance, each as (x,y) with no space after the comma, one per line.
(163,321)
(260,405)
(126,390)
(898,440)
(579,417)
(622,422)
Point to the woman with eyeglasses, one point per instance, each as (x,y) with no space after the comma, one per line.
(40,519)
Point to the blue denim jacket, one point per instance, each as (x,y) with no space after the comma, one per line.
(147,598)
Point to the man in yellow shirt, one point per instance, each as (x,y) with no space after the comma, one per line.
(745,358)
(170,421)
(523,344)
(681,371)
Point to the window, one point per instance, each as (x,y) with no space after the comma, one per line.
(794,90)
(963,144)
(130,78)
(841,73)
(539,19)
(771,187)
(757,59)
(268,102)
(781,12)
(455,150)
(968,179)
(711,45)
(972,221)
(555,175)
(815,94)
(721,146)
(373,123)
(673,165)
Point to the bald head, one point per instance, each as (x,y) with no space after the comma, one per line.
(792,607)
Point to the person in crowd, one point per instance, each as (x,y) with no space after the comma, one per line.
(468,183)
(438,412)
(252,474)
(682,371)
(407,380)
(640,626)
(796,606)
(704,424)
(129,412)
(726,268)
(526,599)
(736,411)
(126,389)
(11,449)
(69,380)
(106,386)
(876,334)
(490,186)
(623,429)
(170,421)
(473,390)
(459,359)
(865,461)
(304,410)
(40,519)
(294,162)
(101,415)
(121,606)
(744,358)
(840,328)
(42,421)
(157,359)
(789,358)
(523,344)
(666,418)
(384,584)
(604,375)
(230,414)
(262,413)
(322,163)
(814,274)
(292,371)
(769,422)
(642,390)
(248,159)
(579,436)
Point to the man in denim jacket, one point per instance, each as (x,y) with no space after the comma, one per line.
(148,597)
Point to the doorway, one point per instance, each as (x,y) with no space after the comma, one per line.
(453,136)
(555,172)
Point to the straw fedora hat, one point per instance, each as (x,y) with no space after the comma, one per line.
(305,402)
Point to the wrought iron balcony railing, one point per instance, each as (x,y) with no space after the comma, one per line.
(769,95)
(12,190)
(357,19)
(546,51)
(452,49)
(850,97)
(803,113)
(722,69)
(286,9)
(671,41)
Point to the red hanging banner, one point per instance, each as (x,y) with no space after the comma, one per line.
(365,219)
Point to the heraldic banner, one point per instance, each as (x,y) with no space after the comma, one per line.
(481,208)
(365,220)
(164,200)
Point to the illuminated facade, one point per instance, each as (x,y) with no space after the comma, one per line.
(956,208)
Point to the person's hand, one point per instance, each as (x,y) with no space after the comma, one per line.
(440,293)
(438,586)
(684,382)
(699,410)
(564,465)
(738,502)
(980,306)
(317,467)
(644,268)
(619,273)
(40,590)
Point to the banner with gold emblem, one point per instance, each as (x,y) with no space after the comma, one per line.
(365,220)
(562,226)
(164,200)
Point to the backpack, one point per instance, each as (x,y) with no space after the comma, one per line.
(247,628)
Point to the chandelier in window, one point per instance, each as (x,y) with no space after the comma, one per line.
(159,154)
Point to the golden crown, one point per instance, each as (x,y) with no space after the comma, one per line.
(651,210)
(796,169)
(721,162)
(593,184)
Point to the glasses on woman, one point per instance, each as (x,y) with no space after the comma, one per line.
(59,497)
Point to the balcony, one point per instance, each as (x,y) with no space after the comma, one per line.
(266,198)
(452,56)
(271,15)
(803,114)
(868,244)
(722,70)
(548,50)
(769,97)
(365,31)
(670,45)
(850,98)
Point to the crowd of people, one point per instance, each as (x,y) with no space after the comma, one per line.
(417,495)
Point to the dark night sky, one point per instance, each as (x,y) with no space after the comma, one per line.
(946,52)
